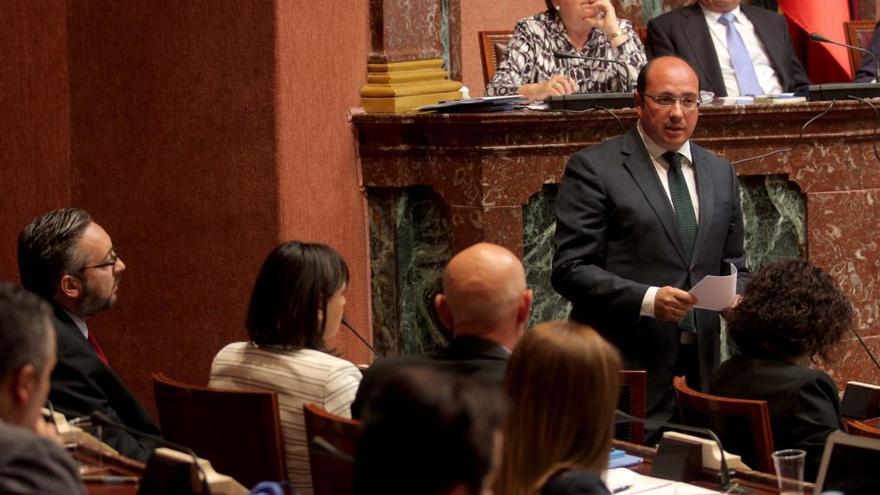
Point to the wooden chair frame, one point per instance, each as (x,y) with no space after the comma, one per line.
(755,411)
(861,428)
(331,475)
(489,40)
(239,431)
(635,383)
(858,33)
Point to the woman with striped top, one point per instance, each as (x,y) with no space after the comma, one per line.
(296,304)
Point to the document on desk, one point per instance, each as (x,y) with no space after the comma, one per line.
(623,481)
(715,292)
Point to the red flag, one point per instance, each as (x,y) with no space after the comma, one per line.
(824,62)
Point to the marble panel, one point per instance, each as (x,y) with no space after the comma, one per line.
(409,239)
(407,267)
(469,222)
(404,30)
(844,242)
(539,224)
(773,213)
(852,363)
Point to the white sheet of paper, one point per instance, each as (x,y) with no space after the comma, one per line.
(715,292)
(623,481)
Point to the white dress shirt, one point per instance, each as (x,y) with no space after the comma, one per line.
(767,77)
(661,167)
(79,322)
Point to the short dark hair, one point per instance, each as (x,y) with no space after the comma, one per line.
(295,283)
(426,431)
(25,329)
(790,309)
(47,249)
(642,79)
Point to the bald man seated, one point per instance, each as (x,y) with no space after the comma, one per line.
(486,305)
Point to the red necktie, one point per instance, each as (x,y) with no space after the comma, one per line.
(97,347)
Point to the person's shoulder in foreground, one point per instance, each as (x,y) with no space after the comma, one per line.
(30,464)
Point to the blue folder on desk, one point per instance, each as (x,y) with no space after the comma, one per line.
(619,458)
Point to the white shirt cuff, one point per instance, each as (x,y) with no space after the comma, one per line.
(648,302)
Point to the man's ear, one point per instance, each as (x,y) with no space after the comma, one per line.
(70,286)
(23,382)
(441,304)
(525,306)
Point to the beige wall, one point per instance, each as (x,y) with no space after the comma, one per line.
(476,16)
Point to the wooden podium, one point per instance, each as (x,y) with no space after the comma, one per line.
(486,167)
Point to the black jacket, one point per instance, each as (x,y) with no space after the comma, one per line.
(82,384)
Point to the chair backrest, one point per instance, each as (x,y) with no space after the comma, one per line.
(742,425)
(331,475)
(493,49)
(858,33)
(633,386)
(238,431)
(861,428)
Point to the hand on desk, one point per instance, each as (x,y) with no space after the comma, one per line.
(555,86)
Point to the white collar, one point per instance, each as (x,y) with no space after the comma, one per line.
(656,151)
(79,322)
(713,16)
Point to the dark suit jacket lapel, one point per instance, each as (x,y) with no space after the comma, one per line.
(706,195)
(706,59)
(767,33)
(637,160)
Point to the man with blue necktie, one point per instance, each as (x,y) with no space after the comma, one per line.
(736,50)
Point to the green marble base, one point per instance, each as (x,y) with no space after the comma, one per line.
(409,241)
(409,246)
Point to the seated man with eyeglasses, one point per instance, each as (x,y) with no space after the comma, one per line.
(70,261)
(641,218)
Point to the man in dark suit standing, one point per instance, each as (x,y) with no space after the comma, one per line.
(735,49)
(70,261)
(485,303)
(640,219)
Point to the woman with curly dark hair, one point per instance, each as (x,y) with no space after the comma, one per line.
(791,313)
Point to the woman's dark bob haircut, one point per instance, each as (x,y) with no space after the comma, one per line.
(292,290)
(790,309)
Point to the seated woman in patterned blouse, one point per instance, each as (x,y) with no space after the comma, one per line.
(296,305)
(587,28)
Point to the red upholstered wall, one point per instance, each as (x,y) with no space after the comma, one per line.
(200,134)
(34,118)
(475,17)
(322,63)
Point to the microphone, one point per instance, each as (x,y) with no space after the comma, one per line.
(320,443)
(865,347)
(101,419)
(626,78)
(818,38)
(725,474)
(359,337)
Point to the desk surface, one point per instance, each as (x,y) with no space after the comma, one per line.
(761,483)
(111,465)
